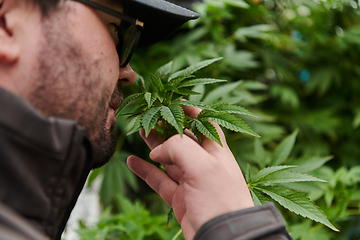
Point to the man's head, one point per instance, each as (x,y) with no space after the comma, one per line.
(65,65)
(61,56)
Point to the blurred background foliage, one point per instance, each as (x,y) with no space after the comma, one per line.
(295,64)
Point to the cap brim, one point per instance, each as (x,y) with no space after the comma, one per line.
(160,18)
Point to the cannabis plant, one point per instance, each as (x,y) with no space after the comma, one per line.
(160,108)
(135,222)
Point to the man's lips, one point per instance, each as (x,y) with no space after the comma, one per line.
(115,105)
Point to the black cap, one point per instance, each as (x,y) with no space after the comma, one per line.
(160,18)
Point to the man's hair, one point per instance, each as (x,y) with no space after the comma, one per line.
(45,5)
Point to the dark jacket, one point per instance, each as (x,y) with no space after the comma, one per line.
(44,163)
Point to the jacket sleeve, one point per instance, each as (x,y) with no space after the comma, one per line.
(258,223)
(13,226)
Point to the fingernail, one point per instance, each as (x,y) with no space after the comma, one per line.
(155,151)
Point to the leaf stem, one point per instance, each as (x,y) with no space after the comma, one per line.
(169,97)
(177,234)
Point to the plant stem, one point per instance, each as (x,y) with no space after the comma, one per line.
(170,97)
(177,234)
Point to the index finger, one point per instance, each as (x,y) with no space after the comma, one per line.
(182,152)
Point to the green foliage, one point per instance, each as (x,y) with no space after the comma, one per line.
(134,223)
(116,176)
(268,182)
(160,105)
(298,61)
(283,150)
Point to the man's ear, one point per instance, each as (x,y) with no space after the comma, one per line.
(9,49)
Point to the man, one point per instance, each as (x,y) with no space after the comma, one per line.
(60,84)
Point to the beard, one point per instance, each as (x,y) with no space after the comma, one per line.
(69,86)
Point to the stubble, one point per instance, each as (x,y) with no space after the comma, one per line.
(67,86)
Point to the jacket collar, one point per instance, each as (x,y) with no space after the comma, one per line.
(44,163)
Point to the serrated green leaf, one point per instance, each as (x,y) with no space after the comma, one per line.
(130,122)
(170,88)
(127,101)
(147,97)
(196,132)
(234,124)
(186,92)
(158,96)
(150,119)
(154,96)
(297,203)
(174,115)
(208,130)
(193,68)
(136,113)
(306,187)
(165,70)
(156,83)
(221,91)
(193,104)
(176,81)
(266,171)
(198,81)
(258,197)
(224,107)
(255,198)
(137,126)
(282,152)
(228,121)
(286,177)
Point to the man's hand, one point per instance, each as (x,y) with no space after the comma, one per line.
(202,180)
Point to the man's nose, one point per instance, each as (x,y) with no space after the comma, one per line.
(127,75)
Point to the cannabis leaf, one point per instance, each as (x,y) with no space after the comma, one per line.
(265,185)
(297,203)
(160,107)
(150,118)
(190,70)
(208,130)
(174,115)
